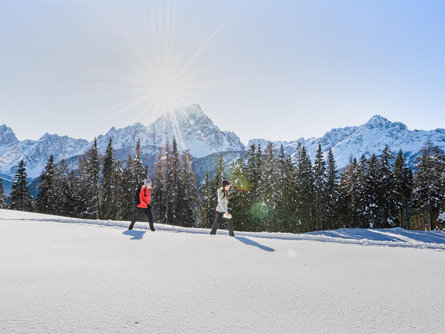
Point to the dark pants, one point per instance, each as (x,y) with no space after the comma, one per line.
(137,215)
(218,220)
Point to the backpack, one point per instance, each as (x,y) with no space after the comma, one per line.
(136,196)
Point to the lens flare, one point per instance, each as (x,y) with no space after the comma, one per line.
(260,212)
(240,182)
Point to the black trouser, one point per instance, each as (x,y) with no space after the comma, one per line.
(137,215)
(218,220)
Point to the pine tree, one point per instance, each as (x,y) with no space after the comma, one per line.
(90,193)
(128,188)
(305,191)
(239,197)
(189,190)
(320,180)
(332,193)
(108,209)
(371,192)
(258,209)
(403,184)
(360,192)
(218,178)
(290,198)
(3,202)
(429,191)
(47,198)
(206,212)
(117,190)
(386,189)
(161,184)
(268,191)
(348,190)
(281,206)
(140,171)
(21,198)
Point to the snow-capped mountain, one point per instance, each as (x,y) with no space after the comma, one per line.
(195,131)
(366,139)
(191,127)
(35,154)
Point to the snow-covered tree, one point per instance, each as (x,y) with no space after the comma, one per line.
(206,212)
(403,184)
(108,208)
(21,198)
(429,192)
(47,198)
(3,202)
(332,193)
(320,198)
(305,191)
(90,193)
(239,196)
(386,189)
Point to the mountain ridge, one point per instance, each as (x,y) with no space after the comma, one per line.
(195,131)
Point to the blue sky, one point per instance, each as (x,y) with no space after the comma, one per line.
(274,70)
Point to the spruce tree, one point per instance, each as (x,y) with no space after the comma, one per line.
(108,187)
(348,192)
(189,192)
(128,189)
(268,190)
(290,219)
(371,192)
(206,212)
(218,178)
(90,193)
(360,192)
(281,207)
(386,189)
(239,197)
(320,180)
(3,202)
(161,184)
(253,175)
(47,198)
(429,193)
(21,198)
(403,184)
(332,193)
(305,191)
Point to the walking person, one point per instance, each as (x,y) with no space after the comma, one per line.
(144,205)
(222,211)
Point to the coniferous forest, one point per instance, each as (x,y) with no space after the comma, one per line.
(271,191)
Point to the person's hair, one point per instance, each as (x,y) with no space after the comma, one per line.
(224,184)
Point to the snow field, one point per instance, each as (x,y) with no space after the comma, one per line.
(88,278)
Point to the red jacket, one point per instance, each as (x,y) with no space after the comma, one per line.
(144,198)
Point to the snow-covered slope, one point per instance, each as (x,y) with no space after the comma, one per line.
(63,275)
(366,139)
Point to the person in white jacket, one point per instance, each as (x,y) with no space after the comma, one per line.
(222,211)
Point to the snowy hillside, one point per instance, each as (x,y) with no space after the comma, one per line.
(63,275)
(366,139)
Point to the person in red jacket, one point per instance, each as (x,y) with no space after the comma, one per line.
(144,205)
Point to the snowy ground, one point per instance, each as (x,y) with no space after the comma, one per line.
(61,275)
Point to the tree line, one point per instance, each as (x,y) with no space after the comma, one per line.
(272,191)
